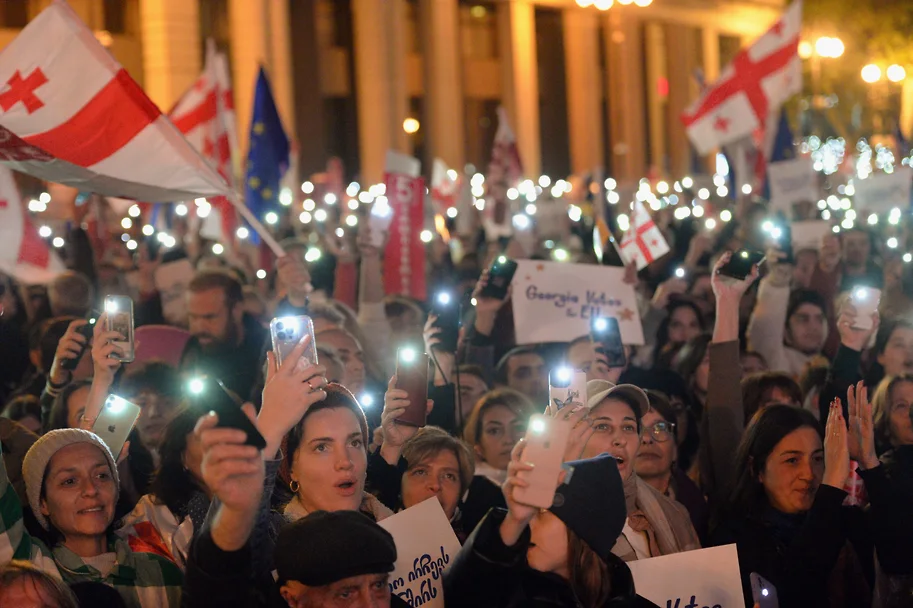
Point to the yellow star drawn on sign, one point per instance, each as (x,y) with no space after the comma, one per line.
(259,128)
(254,182)
(626,314)
(266,193)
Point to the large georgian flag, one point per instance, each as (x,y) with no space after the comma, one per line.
(751,88)
(643,242)
(69,113)
(504,172)
(24,255)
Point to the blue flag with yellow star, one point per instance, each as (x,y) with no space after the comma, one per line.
(267,156)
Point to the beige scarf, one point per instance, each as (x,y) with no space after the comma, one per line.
(665,522)
(294,510)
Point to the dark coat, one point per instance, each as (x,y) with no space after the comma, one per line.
(488,574)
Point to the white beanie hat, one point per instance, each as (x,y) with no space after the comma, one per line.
(36,462)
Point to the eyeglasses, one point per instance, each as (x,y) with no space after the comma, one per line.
(661,431)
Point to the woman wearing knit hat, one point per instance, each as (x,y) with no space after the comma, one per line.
(655,525)
(72,485)
(527,557)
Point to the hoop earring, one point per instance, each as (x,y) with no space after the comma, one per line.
(294,486)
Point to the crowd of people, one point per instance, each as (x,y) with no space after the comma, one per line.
(760,412)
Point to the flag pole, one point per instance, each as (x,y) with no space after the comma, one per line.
(235,199)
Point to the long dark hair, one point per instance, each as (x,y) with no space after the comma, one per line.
(756,389)
(59,410)
(876,370)
(662,332)
(768,427)
(173,485)
(589,577)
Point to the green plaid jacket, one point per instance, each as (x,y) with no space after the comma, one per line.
(144,580)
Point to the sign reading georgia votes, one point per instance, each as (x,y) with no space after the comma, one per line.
(555,302)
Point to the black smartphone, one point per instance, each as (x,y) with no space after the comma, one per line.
(786,244)
(447,310)
(86,330)
(209,394)
(740,264)
(500,274)
(606,333)
(412,377)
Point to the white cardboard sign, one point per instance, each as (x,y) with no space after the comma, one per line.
(171,280)
(425,546)
(554,302)
(703,578)
(881,192)
(792,181)
(807,234)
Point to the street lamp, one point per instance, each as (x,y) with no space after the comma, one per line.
(830,47)
(896,73)
(871,73)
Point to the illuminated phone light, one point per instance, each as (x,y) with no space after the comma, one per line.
(115,404)
(330,199)
(148,230)
(44,232)
(560,255)
(452,212)
(537,425)
(545,181)
(340,233)
(745,254)
(313,254)
(110,306)
(502,259)
(521,221)
(513,194)
(261,274)
(473,301)
(765,592)
(746,189)
(202,210)
(366,400)
(426,236)
(271,217)
(443,298)
(305,217)
(285,197)
(288,322)
(698,211)
(351,220)
(352,204)
(57,242)
(320,215)
(563,374)
(530,209)
(726,215)
(892,242)
(600,324)
(703,194)
(131,245)
(710,224)
(776,233)
(680,273)
(218,249)
(196,386)
(908,257)
(242,233)
(407,355)
(873,219)
(307,187)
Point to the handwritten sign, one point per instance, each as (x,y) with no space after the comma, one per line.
(555,302)
(707,578)
(425,546)
(171,280)
(808,234)
(881,192)
(792,181)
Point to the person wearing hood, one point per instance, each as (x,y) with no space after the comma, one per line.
(655,524)
(562,556)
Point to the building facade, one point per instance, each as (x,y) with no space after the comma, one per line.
(585,89)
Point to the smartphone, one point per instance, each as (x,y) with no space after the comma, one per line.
(447,310)
(115,421)
(606,333)
(120,319)
(412,377)
(763,592)
(209,394)
(379,222)
(740,264)
(287,333)
(500,274)
(786,244)
(86,330)
(680,273)
(565,386)
(546,439)
(866,301)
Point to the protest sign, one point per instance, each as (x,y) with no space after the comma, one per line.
(404,259)
(554,302)
(881,192)
(695,579)
(425,546)
(791,182)
(171,280)
(807,234)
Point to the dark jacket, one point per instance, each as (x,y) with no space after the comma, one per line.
(487,573)
(239,368)
(483,495)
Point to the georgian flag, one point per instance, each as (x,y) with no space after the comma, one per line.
(69,113)
(751,88)
(24,255)
(504,172)
(643,242)
(445,186)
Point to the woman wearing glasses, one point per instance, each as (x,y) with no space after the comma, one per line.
(656,461)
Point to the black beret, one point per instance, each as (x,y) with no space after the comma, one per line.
(325,547)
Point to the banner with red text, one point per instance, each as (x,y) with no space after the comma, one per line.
(404,257)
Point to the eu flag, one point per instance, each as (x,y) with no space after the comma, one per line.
(267,156)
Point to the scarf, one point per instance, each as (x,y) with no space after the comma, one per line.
(495,476)
(370,506)
(665,523)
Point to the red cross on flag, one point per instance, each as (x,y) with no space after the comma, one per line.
(205,114)
(69,113)
(751,88)
(24,255)
(445,186)
(504,173)
(643,242)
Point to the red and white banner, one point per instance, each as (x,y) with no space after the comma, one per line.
(404,257)
(445,186)
(69,113)
(24,255)
(504,172)
(205,114)
(751,88)
(643,242)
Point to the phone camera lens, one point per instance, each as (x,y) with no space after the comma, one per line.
(281,335)
(279,325)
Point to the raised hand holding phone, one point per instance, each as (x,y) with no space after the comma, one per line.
(208,394)
(119,319)
(546,441)
(106,351)
(115,421)
(851,335)
(866,301)
(412,377)
(396,403)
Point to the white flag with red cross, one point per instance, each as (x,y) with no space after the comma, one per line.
(504,173)
(643,242)
(445,186)
(751,88)
(205,114)
(69,113)
(24,255)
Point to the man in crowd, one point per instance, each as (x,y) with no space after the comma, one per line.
(523,369)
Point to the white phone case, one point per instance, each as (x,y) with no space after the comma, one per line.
(546,440)
(561,397)
(115,421)
(866,301)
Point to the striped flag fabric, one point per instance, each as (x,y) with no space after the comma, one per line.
(69,113)
(24,255)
